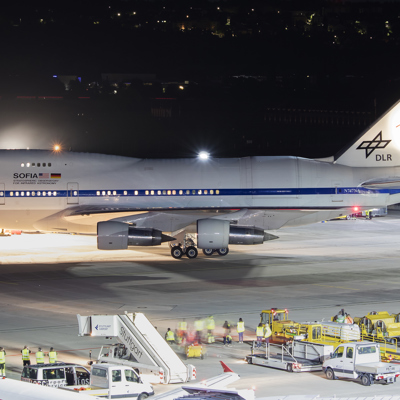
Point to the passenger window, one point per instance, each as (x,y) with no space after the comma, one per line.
(116,375)
(44,164)
(349,352)
(49,164)
(38,164)
(130,376)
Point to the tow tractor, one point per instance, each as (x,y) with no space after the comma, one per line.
(293,356)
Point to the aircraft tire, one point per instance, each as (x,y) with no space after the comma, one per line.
(223,252)
(176,252)
(191,252)
(208,252)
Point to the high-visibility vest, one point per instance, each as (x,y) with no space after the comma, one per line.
(182,326)
(2,357)
(210,324)
(52,357)
(25,354)
(39,357)
(240,326)
(340,319)
(199,325)
(170,336)
(268,331)
(260,331)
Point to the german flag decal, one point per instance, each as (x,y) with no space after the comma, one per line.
(55,176)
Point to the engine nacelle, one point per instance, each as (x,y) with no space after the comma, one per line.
(113,235)
(246,235)
(218,234)
(212,234)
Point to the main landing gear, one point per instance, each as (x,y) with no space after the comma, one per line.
(188,248)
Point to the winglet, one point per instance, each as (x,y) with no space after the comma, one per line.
(225,367)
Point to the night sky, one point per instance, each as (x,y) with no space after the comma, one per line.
(248,68)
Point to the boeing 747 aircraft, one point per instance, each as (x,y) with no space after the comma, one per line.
(139,202)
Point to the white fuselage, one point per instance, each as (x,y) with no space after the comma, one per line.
(35,197)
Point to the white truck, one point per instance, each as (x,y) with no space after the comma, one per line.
(114,381)
(360,360)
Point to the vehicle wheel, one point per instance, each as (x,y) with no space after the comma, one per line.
(348,217)
(365,380)
(191,252)
(202,356)
(176,252)
(289,367)
(249,360)
(223,252)
(208,252)
(330,374)
(142,396)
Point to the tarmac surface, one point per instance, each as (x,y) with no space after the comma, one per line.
(314,271)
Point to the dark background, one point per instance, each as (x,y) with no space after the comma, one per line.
(259,77)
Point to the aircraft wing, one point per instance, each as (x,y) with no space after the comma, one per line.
(83,219)
(382,183)
(17,390)
(216,383)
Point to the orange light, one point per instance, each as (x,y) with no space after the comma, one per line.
(56,148)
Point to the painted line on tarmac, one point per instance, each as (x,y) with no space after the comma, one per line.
(336,287)
(8,283)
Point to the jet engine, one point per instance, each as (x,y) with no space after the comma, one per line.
(218,234)
(113,235)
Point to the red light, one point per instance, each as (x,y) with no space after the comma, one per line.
(355,208)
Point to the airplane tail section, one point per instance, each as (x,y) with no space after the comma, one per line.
(377,146)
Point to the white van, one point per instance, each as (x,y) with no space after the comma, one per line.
(56,375)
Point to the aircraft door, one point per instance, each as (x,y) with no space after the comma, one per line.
(337,195)
(72,193)
(2,193)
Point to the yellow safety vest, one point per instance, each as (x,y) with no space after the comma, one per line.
(240,327)
(210,324)
(39,357)
(25,354)
(170,336)
(182,326)
(52,357)
(199,325)
(268,331)
(2,357)
(260,331)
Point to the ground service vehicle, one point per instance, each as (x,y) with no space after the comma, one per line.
(379,325)
(295,356)
(141,347)
(285,330)
(56,375)
(360,360)
(115,381)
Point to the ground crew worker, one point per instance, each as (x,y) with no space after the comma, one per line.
(170,336)
(259,334)
(240,329)
(199,326)
(348,319)
(26,358)
(210,325)
(367,216)
(228,340)
(182,331)
(267,334)
(2,361)
(52,356)
(39,356)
